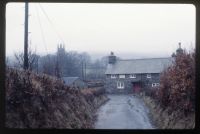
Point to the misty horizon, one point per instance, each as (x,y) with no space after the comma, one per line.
(95,56)
(129,30)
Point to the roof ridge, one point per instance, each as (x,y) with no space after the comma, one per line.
(70,77)
(144,58)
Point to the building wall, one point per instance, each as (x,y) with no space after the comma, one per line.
(79,83)
(111,84)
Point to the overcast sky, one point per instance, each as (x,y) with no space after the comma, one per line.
(129,30)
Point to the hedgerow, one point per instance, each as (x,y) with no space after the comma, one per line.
(41,101)
(177,84)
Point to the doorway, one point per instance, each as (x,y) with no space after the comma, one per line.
(136,87)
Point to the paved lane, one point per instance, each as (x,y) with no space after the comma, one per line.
(123,112)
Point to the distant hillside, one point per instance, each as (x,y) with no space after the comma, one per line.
(41,101)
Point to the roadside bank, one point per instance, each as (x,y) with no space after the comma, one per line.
(166,119)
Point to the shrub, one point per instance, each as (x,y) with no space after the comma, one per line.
(41,101)
(177,84)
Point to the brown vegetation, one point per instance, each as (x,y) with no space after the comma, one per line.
(41,101)
(177,88)
(175,97)
(164,119)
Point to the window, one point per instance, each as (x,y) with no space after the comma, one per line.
(107,76)
(148,75)
(155,84)
(132,75)
(120,85)
(113,76)
(121,76)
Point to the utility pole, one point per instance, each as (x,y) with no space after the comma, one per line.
(85,70)
(37,63)
(82,71)
(26,65)
(57,70)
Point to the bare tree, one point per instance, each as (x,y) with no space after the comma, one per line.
(47,64)
(96,70)
(32,59)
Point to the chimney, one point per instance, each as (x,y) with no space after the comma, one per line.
(179,44)
(179,50)
(111,58)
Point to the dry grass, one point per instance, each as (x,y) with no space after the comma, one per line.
(42,101)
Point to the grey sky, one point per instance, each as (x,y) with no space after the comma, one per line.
(130,30)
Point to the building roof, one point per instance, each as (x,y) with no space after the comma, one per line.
(69,80)
(134,66)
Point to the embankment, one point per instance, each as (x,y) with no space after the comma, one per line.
(166,119)
(42,101)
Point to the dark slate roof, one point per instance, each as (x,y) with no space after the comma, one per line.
(69,80)
(134,66)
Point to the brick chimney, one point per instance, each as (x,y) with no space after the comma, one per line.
(111,58)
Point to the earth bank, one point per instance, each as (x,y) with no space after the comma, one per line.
(167,119)
(41,101)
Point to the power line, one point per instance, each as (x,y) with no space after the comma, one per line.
(43,37)
(42,32)
(53,27)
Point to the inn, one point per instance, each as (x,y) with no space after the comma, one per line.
(132,75)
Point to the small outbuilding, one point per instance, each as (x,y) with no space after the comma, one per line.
(75,82)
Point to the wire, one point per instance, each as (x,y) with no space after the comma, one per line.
(42,32)
(43,37)
(59,36)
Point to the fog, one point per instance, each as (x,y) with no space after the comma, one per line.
(129,30)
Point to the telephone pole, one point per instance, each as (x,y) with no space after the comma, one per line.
(85,71)
(82,67)
(26,65)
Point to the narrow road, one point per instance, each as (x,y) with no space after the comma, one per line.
(123,112)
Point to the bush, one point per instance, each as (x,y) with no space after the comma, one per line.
(41,101)
(151,92)
(177,84)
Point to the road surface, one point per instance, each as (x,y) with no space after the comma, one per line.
(123,112)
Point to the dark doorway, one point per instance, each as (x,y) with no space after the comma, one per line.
(136,87)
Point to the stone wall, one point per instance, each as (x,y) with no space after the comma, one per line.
(111,84)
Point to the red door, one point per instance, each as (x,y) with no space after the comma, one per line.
(136,88)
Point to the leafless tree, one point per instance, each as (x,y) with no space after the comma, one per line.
(32,59)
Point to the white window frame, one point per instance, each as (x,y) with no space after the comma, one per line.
(113,76)
(132,75)
(155,84)
(122,76)
(120,85)
(148,76)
